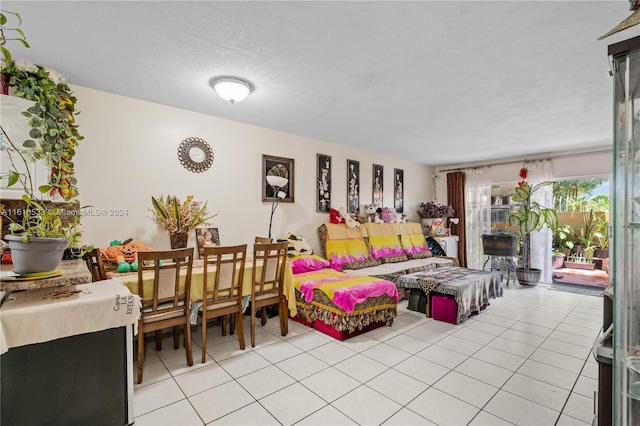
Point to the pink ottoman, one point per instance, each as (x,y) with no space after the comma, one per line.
(444,308)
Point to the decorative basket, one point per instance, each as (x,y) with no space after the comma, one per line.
(500,245)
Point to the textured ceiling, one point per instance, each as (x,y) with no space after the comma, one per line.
(432,82)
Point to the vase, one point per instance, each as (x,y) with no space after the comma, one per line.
(36,256)
(4,83)
(178,240)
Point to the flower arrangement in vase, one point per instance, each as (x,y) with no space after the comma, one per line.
(179,218)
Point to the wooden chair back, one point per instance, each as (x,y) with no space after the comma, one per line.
(166,302)
(263,240)
(95,265)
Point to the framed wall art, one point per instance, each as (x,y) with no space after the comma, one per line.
(277,166)
(323,183)
(398,190)
(378,185)
(353,186)
(206,237)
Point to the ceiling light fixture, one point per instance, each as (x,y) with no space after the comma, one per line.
(232,89)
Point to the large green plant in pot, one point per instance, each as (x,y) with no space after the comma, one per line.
(529,217)
(44,229)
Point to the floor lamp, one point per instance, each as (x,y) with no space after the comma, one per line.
(276,182)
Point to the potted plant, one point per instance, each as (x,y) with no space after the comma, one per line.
(179,218)
(528,217)
(557,259)
(52,139)
(429,211)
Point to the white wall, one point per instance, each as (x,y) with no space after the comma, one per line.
(565,165)
(130,153)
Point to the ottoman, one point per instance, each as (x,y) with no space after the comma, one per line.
(444,308)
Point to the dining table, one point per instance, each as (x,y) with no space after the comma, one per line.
(130,279)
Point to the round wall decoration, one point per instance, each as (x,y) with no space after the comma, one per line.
(195,155)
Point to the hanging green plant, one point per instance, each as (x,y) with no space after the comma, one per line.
(54,135)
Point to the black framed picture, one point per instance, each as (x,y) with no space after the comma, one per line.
(378,185)
(398,190)
(206,237)
(277,166)
(353,186)
(323,183)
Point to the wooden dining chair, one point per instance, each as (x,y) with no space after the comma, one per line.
(269,261)
(263,240)
(95,265)
(222,288)
(166,302)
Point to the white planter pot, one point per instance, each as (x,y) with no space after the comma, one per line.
(38,255)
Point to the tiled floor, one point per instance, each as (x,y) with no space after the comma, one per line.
(525,360)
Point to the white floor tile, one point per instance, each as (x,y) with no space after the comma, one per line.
(301,366)
(443,409)
(367,379)
(556,359)
(485,372)
(252,414)
(532,328)
(520,411)
(512,346)
(500,358)
(361,368)
(466,388)
(278,351)
(586,386)
(156,395)
(243,364)
(421,369)
(456,344)
(397,386)
(565,348)
(535,390)
(220,401)
(292,404)
(151,373)
(579,407)
(406,417)
(265,381)
(309,341)
(386,354)
(326,416)
(366,406)
(201,379)
(408,344)
(565,420)
(549,374)
(332,352)
(473,335)
(179,413)
(522,337)
(485,419)
(442,356)
(330,384)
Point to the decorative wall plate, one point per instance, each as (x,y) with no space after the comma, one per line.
(195,155)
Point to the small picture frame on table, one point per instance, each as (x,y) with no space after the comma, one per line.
(437,228)
(206,237)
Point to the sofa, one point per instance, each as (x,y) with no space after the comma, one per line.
(382,250)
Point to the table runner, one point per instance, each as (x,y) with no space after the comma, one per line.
(42,315)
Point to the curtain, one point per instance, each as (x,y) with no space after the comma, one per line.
(455,198)
(477,199)
(541,171)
